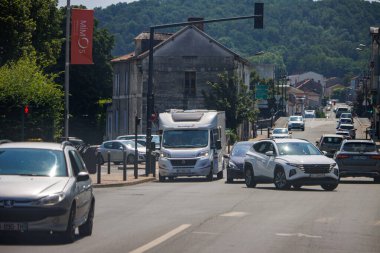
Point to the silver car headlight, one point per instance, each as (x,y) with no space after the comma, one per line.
(202,153)
(165,155)
(299,166)
(51,199)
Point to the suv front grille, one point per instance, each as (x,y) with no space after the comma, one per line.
(316,168)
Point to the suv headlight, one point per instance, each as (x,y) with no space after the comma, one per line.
(51,199)
(202,153)
(165,155)
(299,166)
(332,166)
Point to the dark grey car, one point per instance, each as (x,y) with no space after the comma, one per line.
(45,187)
(359,158)
(330,143)
(234,161)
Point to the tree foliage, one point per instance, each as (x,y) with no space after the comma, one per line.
(232,96)
(23,83)
(299,35)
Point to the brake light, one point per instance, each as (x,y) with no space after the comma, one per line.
(375,157)
(341,156)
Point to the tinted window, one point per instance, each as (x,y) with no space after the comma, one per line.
(332,140)
(280,131)
(359,147)
(33,162)
(240,150)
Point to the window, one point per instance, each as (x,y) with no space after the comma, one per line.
(76,162)
(126,88)
(117,84)
(190,79)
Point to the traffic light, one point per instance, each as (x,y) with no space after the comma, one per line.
(26,110)
(259,16)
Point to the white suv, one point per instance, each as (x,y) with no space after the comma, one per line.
(287,162)
(296,122)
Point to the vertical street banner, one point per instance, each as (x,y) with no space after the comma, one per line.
(82,26)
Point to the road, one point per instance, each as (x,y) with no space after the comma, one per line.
(193,215)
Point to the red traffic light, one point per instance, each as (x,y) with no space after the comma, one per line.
(26,109)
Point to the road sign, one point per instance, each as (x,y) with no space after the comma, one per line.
(261,92)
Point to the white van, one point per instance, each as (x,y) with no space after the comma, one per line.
(309,114)
(193,143)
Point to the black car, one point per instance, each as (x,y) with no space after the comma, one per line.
(234,161)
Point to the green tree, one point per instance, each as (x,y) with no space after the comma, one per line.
(23,83)
(230,94)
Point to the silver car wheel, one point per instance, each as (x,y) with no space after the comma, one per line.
(280,180)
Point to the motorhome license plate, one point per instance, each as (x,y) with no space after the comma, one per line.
(9,226)
(317,175)
(181,171)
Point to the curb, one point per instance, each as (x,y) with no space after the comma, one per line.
(123,183)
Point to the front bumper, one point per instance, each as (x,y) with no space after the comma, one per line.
(201,167)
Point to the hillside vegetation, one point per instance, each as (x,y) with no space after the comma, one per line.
(300,35)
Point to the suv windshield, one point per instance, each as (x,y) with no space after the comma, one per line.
(295,118)
(185,138)
(32,162)
(280,131)
(297,148)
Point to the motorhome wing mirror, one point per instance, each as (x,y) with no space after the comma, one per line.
(219,144)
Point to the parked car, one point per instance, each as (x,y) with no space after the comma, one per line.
(116,148)
(289,162)
(39,189)
(359,158)
(330,143)
(235,160)
(348,127)
(296,122)
(142,137)
(281,133)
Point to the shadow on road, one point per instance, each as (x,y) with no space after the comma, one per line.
(32,238)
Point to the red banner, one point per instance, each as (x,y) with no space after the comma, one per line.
(82,26)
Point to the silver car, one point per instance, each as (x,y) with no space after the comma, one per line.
(45,187)
(116,148)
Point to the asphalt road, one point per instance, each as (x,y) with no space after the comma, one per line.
(193,215)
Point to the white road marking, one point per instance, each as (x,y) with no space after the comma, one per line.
(205,233)
(160,239)
(234,214)
(299,235)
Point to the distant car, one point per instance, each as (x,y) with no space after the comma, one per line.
(345,134)
(296,122)
(341,110)
(234,161)
(45,187)
(359,158)
(289,162)
(344,121)
(155,139)
(346,115)
(281,133)
(309,113)
(116,148)
(348,127)
(330,143)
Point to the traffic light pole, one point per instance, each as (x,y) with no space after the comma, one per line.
(258,24)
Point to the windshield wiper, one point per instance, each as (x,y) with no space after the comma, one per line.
(31,175)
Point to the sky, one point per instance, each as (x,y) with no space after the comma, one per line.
(90,4)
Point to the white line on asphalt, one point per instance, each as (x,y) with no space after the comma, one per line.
(299,235)
(234,214)
(160,239)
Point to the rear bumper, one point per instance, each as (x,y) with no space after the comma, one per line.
(359,173)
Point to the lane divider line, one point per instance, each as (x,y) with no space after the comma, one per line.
(161,239)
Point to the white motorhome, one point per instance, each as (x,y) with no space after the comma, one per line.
(193,143)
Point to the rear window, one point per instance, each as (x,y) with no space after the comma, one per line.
(359,147)
(332,140)
(347,127)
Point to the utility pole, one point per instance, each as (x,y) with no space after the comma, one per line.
(67,69)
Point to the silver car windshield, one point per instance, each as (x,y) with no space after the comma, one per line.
(295,119)
(297,148)
(280,131)
(185,138)
(32,162)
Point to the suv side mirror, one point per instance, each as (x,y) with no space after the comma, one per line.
(269,153)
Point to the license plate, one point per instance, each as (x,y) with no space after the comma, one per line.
(182,171)
(8,226)
(317,175)
(358,157)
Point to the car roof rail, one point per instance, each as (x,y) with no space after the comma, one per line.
(66,143)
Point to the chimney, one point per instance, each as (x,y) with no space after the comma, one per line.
(200,26)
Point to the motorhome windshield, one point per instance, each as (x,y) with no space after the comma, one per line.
(185,138)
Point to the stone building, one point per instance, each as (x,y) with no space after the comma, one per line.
(184,63)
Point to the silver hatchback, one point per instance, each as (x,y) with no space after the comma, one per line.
(45,187)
